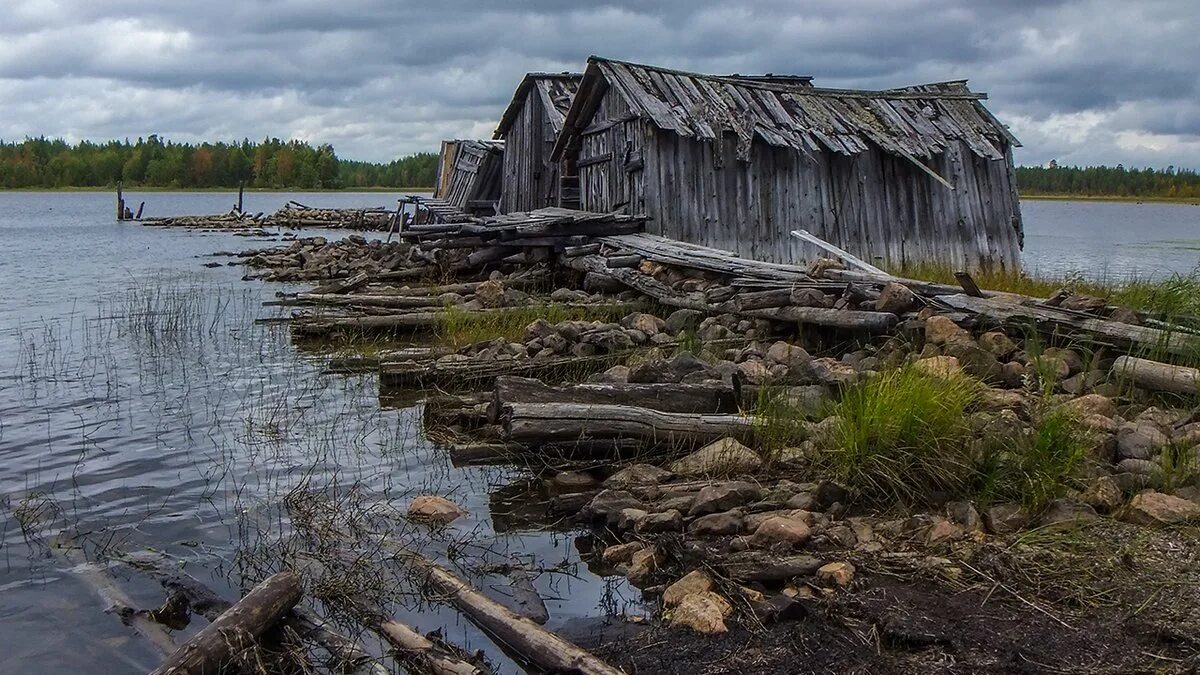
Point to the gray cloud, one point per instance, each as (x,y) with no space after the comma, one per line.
(1083,81)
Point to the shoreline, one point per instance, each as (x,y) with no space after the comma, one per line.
(134,190)
(1194,201)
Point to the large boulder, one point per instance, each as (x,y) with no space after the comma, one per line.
(1140,441)
(783,531)
(725,457)
(691,583)
(789,355)
(1156,508)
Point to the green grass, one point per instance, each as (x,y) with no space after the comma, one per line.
(1033,469)
(1174,296)
(903,435)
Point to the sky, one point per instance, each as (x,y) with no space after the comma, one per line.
(1080,81)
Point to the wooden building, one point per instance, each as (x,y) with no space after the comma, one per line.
(902,176)
(469,175)
(530,126)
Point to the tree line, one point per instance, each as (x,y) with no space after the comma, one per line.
(1108,181)
(153,162)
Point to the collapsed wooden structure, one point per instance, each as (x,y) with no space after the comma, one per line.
(918,174)
(469,175)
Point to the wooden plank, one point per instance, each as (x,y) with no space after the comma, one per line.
(805,236)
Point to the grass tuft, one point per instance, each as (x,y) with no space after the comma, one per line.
(1035,467)
(460,327)
(904,435)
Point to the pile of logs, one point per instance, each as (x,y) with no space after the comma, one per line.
(297,215)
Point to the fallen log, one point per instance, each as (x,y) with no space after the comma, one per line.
(343,286)
(680,398)
(118,603)
(871,322)
(236,629)
(390,301)
(531,423)
(522,636)
(1157,376)
(428,656)
(349,655)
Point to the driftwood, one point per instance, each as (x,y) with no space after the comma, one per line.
(1048,319)
(562,422)
(872,322)
(480,371)
(117,602)
(1157,376)
(236,629)
(428,656)
(348,653)
(852,260)
(522,636)
(343,286)
(680,398)
(358,299)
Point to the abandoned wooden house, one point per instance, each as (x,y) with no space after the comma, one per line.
(901,176)
(469,175)
(530,126)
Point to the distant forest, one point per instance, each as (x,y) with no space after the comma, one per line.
(152,162)
(272,163)
(1107,181)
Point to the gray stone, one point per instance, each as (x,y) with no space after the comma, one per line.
(717,524)
(724,496)
(1005,518)
(683,319)
(665,521)
(719,458)
(637,474)
(1065,513)
(895,298)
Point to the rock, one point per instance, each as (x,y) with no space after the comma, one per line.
(621,553)
(1005,518)
(670,520)
(1130,482)
(626,519)
(833,373)
(789,532)
(1103,494)
(819,266)
(1070,357)
(637,474)
(614,375)
(836,574)
(788,355)
(1102,425)
(895,298)
(566,482)
(568,295)
(691,583)
(717,524)
(1092,404)
(997,343)
(646,323)
(975,360)
(940,330)
(964,513)
(538,330)
(746,566)
(1051,368)
(1156,508)
(945,367)
(809,297)
(435,510)
(556,343)
(702,612)
(827,493)
(754,372)
(1188,435)
(490,294)
(720,458)
(724,496)
(1125,315)
(995,400)
(683,320)
(685,363)
(942,530)
(643,565)
(1083,303)
(608,503)
(584,349)
(1140,441)
(1067,513)
(1012,374)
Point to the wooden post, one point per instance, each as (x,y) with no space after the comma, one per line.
(120,203)
(141,206)
(241,195)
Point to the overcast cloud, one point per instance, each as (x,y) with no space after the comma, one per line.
(1089,81)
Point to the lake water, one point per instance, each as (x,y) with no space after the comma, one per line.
(142,407)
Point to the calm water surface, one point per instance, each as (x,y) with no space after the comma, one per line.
(141,406)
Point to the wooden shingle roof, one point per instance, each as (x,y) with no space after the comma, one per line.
(912,122)
(557,90)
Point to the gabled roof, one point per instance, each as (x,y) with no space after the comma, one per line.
(909,122)
(557,91)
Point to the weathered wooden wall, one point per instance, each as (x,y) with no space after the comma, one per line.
(874,204)
(470,172)
(530,179)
